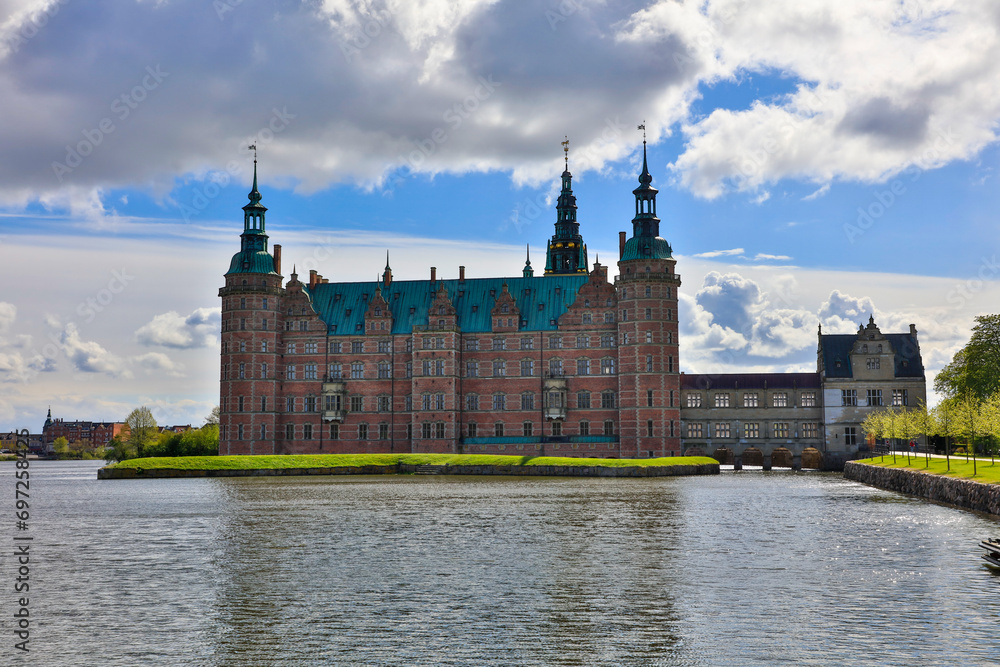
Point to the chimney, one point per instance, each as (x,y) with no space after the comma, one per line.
(434,273)
(312,277)
(277,259)
(461,274)
(621,245)
(913,331)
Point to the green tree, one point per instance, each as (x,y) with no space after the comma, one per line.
(118,449)
(941,423)
(969,422)
(142,429)
(213,417)
(60,446)
(976,367)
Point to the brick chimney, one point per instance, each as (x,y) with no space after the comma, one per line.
(621,244)
(434,273)
(313,277)
(277,259)
(461,274)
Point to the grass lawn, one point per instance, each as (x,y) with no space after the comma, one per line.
(341,460)
(987,472)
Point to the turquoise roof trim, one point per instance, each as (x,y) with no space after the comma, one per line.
(635,248)
(403,295)
(252,262)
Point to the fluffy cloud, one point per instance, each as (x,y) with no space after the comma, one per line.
(173,330)
(157,362)
(731,298)
(8,313)
(89,356)
(842,313)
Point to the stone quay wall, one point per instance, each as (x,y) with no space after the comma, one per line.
(517,471)
(962,493)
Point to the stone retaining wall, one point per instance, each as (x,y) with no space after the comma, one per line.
(958,492)
(554,471)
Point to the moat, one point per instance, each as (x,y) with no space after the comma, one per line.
(746,568)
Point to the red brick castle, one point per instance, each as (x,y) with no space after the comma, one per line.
(564,363)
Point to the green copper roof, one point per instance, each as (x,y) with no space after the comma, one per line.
(540,299)
(252,262)
(639,247)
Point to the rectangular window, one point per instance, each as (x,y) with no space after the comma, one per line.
(425,402)
(499,368)
(722,400)
(242,371)
(609,427)
(336,371)
(311,348)
(874,397)
(357,403)
(383,403)
(809,399)
(335,348)
(722,430)
(425,430)
(751,430)
(750,400)
(810,430)
(527,343)
(649,428)
(649,398)
(439,429)
(289,431)
(310,371)
(555,342)
(439,367)
(528,429)
(850,435)
(263,371)
(362,431)
(409,345)
(557,428)
(383,431)
(331,402)
(584,428)
(357,370)
(472,429)
(499,343)
(384,370)
(583,399)
(527,367)
(583,341)
(780,399)
(471,369)
(498,430)
(472,402)
(528,401)
(694,430)
(303,326)
(555,367)
(848,397)
(607,366)
(357,346)
(383,346)
(408,369)
(899,397)
(472,344)
(334,431)
(309,404)
(307,431)
(649,363)
(693,400)
(781,430)
(289,404)
(873,363)
(499,401)
(439,401)
(408,403)
(607,399)
(609,318)
(607,340)
(427,367)
(263,403)
(583,366)
(239,404)
(291,373)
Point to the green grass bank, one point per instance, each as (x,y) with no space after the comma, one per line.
(987,472)
(461,464)
(932,481)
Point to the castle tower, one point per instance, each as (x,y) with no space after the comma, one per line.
(566,252)
(649,368)
(248,397)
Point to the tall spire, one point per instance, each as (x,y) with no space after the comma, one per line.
(387,273)
(566,251)
(646,241)
(253,256)
(528,271)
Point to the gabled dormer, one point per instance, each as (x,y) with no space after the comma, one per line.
(378,316)
(505,314)
(442,313)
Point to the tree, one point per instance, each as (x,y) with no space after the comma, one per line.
(976,367)
(118,450)
(942,420)
(142,429)
(60,446)
(213,417)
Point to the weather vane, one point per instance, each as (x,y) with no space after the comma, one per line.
(253,147)
(643,128)
(565,146)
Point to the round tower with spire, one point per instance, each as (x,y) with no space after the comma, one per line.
(649,363)
(248,396)
(566,252)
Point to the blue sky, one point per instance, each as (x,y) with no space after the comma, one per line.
(815,165)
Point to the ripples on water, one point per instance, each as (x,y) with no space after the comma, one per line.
(740,569)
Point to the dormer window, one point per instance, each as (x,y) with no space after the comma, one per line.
(505,308)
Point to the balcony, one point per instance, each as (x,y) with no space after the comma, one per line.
(554,395)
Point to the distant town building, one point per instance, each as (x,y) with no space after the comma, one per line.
(91,434)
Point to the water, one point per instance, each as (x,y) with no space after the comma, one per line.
(739,569)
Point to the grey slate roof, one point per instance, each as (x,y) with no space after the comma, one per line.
(908,363)
(703,381)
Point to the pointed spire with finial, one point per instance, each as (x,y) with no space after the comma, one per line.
(387,273)
(528,271)
(566,252)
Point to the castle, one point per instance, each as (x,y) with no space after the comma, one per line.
(564,363)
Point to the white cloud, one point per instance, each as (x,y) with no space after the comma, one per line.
(172,330)
(90,356)
(764,256)
(157,362)
(720,253)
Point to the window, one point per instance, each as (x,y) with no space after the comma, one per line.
(583,399)
(439,367)
(263,403)
(555,399)
(243,346)
(471,369)
(624,315)
(649,363)
(722,430)
(671,398)
(607,340)
(781,430)
(808,399)
(528,429)
(439,401)
(555,367)
(584,428)
(670,364)
(751,430)
(427,366)
(335,431)
(557,428)
(499,343)
(384,346)
(408,403)
(649,290)
(588,318)
(383,403)
(439,429)
(899,397)
(555,342)
(780,399)
(331,402)
(336,371)
(607,366)
(649,336)
(425,402)
(649,313)
(263,303)
(499,401)
(357,403)
(357,370)
(384,370)
(609,318)
(290,431)
(583,341)
(383,431)
(498,429)
(408,369)
(810,430)
(527,343)
(527,401)
(311,348)
(309,404)
(874,397)
(527,367)
(649,428)
(439,342)
(499,368)
(290,404)
(362,431)
(239,404)
(750,400)
(607,399)
(409,345)
(472,344)
(850,435)
(243,371)
(609,427)
(425,430)
(694,430)
(335,348)
(307,431)
(263,346)
(722,400)
(873,363)
(472,401)
(357,346)
(583,366)
(649,398)
(291,373)
(472,429)
(310,371)
(693,400)
(303,326)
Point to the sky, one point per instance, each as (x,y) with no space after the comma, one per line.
(818,163)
